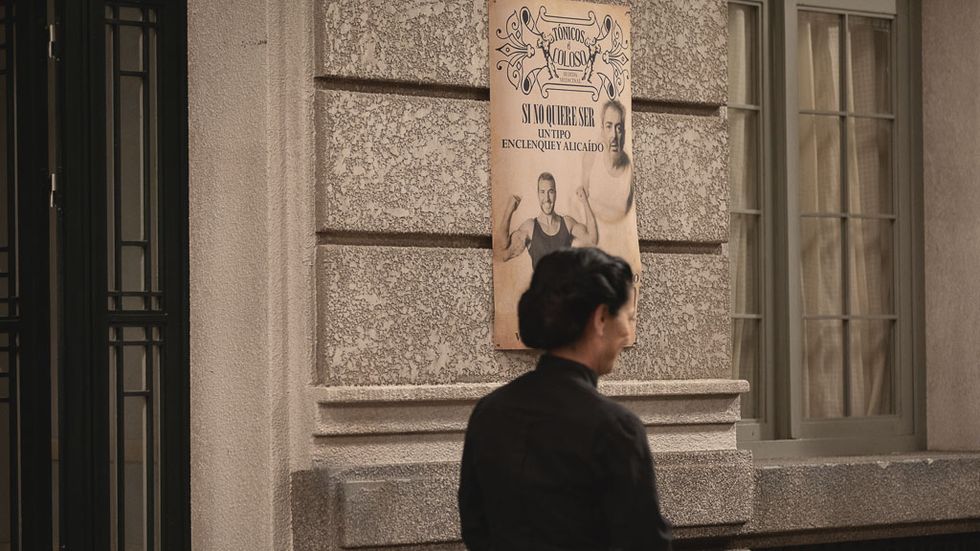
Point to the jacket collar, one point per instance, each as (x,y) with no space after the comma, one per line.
(562,366)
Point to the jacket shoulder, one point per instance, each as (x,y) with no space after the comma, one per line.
(618,415)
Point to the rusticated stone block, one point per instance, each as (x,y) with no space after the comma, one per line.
(679,48)
(406,315)
(681,176)
(683,322)
(403,164)
(825,493)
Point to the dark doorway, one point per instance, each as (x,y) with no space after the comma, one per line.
(94,415)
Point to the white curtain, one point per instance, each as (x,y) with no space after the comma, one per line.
(869,254)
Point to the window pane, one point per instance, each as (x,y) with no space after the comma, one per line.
(747,360)
(130,48)
(820,256)
(869,167)
(871,264)
(110,137)
(743,165)
(6,535)
(4,352)
(153,185)
(131,157)
(820,171)
(818,59)
(823,369)
(134,367)
(743,54)
(134,472)
(132,269)
(743,249)
(869,88)
(871,367)
(131,14)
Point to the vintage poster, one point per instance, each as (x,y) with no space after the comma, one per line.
(561,162)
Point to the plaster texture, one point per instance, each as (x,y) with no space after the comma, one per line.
(409,315)
(679,48)
(407,164)
(415,503)
(951,171)
(681,165)
(231,478)
(390,163)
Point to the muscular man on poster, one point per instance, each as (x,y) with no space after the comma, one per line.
(607,176)
(546,232)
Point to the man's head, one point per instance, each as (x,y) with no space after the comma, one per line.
(614,127)
(580,298)
(546,192)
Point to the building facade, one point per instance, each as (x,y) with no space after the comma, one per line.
(339,161)
(265,311)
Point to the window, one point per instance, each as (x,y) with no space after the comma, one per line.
(123,399)
(821,175)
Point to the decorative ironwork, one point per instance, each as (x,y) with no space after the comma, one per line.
(9,311)
(135,295)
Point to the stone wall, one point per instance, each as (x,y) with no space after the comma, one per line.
(403,269)
(951,170)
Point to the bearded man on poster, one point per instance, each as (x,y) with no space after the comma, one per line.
(608,175)
(546,232)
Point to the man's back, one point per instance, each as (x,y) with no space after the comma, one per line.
(551,464)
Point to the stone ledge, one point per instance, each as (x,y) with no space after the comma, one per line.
(414,504)
(388,447)
(679,48)
(854,492)
(473,391)
(673,407)
(418,165)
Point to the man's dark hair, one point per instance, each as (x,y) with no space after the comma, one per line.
(566,288)
(546,176)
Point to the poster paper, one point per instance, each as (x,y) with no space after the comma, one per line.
(561,152)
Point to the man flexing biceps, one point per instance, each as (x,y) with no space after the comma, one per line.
(546,232)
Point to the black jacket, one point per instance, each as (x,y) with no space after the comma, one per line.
(550,464)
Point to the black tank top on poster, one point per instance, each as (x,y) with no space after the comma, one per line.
(542,243)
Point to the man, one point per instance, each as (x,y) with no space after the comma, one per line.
(546,232)
(549,463)
(607,175)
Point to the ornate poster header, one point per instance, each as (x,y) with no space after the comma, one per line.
(552,52)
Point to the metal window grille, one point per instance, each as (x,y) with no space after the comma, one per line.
(135,294)
(9,311)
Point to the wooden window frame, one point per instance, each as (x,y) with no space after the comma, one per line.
(782,429)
